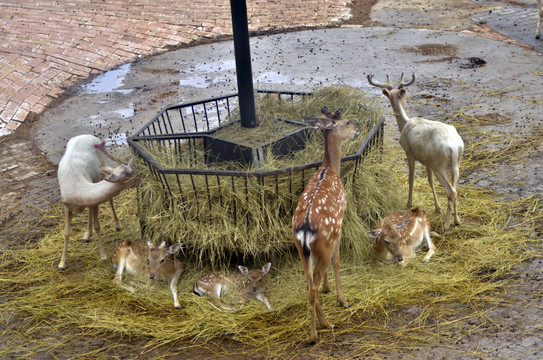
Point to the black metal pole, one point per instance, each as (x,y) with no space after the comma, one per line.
(244,71)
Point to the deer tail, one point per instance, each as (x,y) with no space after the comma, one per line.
(305,235)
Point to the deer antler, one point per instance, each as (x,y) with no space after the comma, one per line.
(326,111)
(387,86)
(338,114)
(404,84)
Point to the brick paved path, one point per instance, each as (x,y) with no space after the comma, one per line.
(49,45)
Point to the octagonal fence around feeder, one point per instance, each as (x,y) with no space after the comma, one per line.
(225,198)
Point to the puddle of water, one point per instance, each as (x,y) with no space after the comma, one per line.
(96,120)
(117,139)
(109,81)
(272,77)
(201,72)
(216,66)
(125,112)
(197,82)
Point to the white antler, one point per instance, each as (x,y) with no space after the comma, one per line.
(80,174)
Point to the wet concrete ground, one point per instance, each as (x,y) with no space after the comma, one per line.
(120,102)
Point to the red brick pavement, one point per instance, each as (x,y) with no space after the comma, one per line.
(47,46)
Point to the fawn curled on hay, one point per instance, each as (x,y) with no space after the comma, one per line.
(249,216)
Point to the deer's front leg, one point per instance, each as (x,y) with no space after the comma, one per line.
(115,218)
(67,228)
(103,254)
(339,289)
(325,283)
(173,289)
(88,233)
(263,299)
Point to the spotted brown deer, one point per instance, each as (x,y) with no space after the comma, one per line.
(400,235)
(245,284)
(80,173)
(150,261)
(316,223)
(435,145)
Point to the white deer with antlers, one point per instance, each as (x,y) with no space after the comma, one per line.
(316,223)
(80,174)
(434,144)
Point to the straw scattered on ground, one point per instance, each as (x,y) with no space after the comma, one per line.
(44,311)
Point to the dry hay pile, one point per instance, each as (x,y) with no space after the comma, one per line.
(224,217)
(46,312)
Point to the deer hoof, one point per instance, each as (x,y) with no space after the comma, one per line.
(85,240)
(312,339)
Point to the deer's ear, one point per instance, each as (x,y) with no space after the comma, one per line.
(266,268)
(243,270)
(402,224)
(374,234)
(174,248)
(320,122)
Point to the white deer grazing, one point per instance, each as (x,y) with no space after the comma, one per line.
(245,284)
(435,145)
(400,235)
(539,19)
(150,261)
(316,223)
(80,173)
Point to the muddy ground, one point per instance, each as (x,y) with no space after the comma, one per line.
(28,188)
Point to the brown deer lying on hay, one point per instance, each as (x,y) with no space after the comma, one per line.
(245,284)
(150,261)
(400,235)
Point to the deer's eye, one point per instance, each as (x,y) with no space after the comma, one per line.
(161,261)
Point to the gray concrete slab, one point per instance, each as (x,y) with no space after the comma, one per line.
(510,83)
(517,22)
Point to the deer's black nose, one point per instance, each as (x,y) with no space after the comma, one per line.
(399,258)
(151,276)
